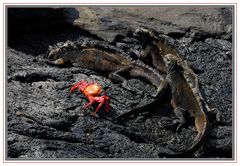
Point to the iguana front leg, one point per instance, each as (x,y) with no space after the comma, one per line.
(162,88)
(181,115)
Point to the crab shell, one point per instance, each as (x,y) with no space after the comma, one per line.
(93,89)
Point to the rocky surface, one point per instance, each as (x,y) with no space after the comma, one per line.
(45,121)
(194,22)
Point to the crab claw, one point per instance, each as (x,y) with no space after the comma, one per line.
(80,85)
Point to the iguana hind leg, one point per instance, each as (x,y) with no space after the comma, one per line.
(170,124)
(181,114)
(214,115)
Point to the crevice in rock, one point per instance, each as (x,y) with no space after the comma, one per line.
(33,77)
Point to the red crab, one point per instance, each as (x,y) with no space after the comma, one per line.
(92,91)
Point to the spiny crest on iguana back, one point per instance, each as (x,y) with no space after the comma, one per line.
(167,45)
(190,77)
(187,73)
(82,43)
(188,88)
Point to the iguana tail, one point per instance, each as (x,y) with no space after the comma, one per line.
(201,123)
(161,96)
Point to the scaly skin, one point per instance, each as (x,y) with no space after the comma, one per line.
(186,84)
(158,48)
(102,57)
(184,100)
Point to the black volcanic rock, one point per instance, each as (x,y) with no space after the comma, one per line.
(194,22)
(44,121)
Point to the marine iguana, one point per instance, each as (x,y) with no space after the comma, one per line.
(158,46)
(162,51)
(102,57)
(185,102)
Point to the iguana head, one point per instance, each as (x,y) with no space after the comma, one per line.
(168,58)
(143,31)
(172,63)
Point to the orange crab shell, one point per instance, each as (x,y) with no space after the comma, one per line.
(93,89)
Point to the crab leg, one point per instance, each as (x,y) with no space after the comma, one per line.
(90,103)
(101,102)
(107,106)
